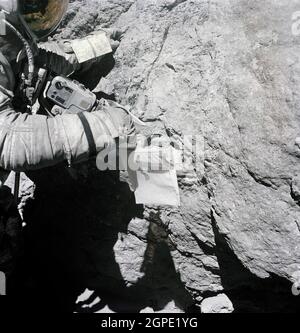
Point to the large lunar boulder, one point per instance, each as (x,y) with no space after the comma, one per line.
(226,71)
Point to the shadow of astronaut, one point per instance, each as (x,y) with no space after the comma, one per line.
(160,289)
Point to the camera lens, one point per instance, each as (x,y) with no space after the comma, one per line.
(58,85)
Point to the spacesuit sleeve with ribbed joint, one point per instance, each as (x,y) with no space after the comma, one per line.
(29,142)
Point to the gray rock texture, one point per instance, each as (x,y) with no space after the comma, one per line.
(227,71)
(217,304)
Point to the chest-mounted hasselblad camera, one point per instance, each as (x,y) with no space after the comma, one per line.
(67,96)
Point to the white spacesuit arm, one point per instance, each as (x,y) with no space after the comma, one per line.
(29,142)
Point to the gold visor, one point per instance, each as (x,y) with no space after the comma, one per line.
(43,16)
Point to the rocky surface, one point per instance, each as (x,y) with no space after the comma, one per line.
(227,71)
(217,304)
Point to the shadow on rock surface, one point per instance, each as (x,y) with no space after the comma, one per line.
(248,293)
(156,290)
(72,227)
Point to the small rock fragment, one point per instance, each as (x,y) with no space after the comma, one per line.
(218,304)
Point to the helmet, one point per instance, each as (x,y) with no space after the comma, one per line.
(39,17)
